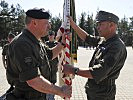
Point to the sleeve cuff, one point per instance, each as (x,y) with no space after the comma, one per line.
(30,74)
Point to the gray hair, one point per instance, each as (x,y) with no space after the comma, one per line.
(28,20)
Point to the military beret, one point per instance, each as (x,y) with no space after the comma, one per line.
(106,16)
(38,13)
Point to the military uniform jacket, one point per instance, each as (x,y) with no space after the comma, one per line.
(105,65)
(28,58)
(5,48)
(4,53)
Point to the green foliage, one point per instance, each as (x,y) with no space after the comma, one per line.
(81,25)
(131,24)
(55,23)
(82,20)
(11,19)
(89,24)
(125,30)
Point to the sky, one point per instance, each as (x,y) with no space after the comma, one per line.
(119,7)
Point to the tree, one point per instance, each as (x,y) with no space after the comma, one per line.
(4,19)
(82,25)
(55,23)
(131,24)
(11,19)
(124,31)
(82,20)
(89,24)
(18,19)
(131,29)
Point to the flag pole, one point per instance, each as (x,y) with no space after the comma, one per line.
(66,56)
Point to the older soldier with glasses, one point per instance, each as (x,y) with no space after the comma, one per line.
(29,59)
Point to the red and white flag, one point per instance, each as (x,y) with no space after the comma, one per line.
(65,55)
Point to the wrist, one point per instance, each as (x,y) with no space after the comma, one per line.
(56,90)
(63,44)
(76,70)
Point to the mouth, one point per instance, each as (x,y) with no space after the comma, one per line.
(99,31)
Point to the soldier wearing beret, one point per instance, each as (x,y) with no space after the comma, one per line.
(107,60)
(29,59)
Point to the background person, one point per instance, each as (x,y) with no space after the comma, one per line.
(4,58)
(53,63)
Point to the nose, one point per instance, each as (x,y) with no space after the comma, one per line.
(97,27)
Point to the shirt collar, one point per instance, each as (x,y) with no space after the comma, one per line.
(31,36)
(112,38)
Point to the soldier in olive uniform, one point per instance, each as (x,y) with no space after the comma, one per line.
(5,49)
(4,59)
(53,63)
(29,59)
(107,61)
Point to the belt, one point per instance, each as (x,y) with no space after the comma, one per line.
(31,94)
(108,82)
(28,94)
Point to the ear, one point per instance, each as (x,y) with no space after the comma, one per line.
(34,22)
(111,24)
